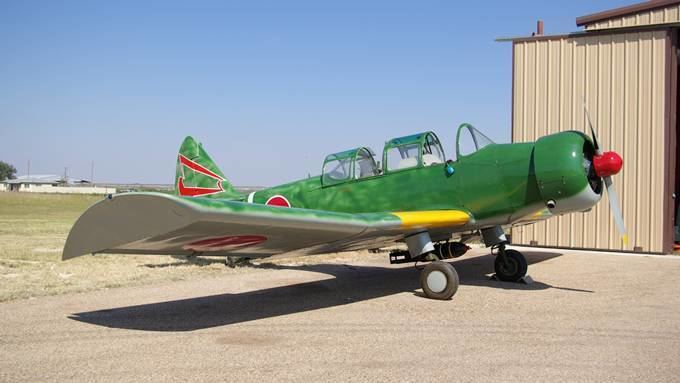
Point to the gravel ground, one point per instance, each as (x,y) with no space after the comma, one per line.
(588,317)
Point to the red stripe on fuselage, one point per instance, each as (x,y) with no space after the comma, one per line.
(197,167)
(194,191)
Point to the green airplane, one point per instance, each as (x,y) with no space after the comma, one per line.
(411,195)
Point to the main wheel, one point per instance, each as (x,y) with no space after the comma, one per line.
(439,280)
(513,268)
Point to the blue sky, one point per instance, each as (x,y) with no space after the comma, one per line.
(269,87)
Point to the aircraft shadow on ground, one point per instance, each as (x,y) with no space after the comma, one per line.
(351,284)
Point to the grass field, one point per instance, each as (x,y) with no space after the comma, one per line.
(33,230)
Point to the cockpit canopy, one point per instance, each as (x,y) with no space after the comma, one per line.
(408,152)
(469,140)
(422,149)
(348,165)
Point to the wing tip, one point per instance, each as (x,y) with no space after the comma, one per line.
(70,252)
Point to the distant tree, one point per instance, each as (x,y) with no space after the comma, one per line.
(7,171)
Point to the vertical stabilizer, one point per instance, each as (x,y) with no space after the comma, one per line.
(198,176)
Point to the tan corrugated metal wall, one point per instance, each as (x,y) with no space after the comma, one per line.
(670,14)
(622,78)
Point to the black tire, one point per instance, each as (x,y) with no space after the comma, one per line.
(439,280)
(514,270)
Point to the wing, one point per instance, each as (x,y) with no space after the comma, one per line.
(155,223)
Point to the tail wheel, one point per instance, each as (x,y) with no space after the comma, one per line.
(439,280)
(512,267)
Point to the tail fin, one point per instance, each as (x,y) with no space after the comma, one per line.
(198,176)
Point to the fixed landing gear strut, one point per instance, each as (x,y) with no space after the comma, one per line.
(439,280)
(509,265)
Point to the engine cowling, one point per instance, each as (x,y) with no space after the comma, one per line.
(566,175)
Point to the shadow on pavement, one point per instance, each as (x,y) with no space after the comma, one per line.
(351,284)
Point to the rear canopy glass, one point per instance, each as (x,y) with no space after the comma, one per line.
(348,165)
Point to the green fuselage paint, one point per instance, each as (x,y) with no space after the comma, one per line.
(500,182)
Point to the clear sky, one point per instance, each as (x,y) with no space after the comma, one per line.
(269,87)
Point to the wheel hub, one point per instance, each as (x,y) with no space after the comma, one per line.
(436,281)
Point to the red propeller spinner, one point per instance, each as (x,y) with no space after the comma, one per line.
(607,164)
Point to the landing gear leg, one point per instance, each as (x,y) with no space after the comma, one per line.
(439,280)
(236,261)
(510,265)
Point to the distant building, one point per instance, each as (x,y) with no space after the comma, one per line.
(22,183)
(48,183)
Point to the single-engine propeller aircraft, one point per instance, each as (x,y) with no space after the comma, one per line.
(413,195)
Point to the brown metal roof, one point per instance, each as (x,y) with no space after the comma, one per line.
(623,11)
(597,32)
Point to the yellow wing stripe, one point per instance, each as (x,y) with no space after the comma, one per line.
(432,218)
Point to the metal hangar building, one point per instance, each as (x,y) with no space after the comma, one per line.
(624,66)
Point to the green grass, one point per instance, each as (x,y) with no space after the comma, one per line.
(33,230)
(33,227)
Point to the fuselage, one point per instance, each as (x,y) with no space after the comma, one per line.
(498,184)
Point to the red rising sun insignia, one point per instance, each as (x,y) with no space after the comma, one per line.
(278,200)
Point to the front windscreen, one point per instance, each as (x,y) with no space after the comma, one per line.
(470,140)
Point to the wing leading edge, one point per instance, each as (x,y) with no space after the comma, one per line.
(155,223)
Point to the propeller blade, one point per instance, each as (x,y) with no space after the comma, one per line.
(611,192)
(616,211)
(592,130)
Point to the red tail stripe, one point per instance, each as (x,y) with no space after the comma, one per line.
(195,191)
(195,166)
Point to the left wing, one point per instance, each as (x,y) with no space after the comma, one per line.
(155,223)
